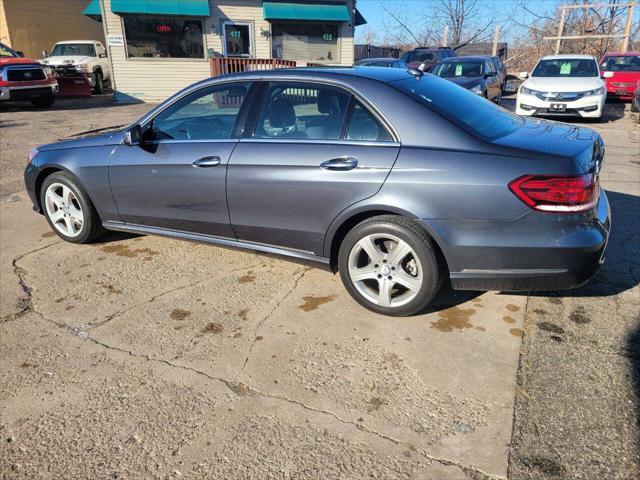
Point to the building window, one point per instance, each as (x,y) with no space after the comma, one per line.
(237,39)
(154,37)
(317,42)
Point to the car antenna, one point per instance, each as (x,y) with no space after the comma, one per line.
(417,72)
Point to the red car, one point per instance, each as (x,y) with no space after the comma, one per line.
(621,72)
(25,79)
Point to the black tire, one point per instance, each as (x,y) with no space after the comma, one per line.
(92,225)
(634,107)
(43,102)
(420,243)
(99,86)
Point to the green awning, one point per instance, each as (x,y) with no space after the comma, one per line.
(194,8)
(329,12)
(359,19)
(93,9)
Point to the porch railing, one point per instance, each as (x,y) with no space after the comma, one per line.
(224,65)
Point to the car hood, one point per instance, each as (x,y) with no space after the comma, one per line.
(67,60)
(466,82)
(91,138)
(16,61)
(564,84)
(552,138)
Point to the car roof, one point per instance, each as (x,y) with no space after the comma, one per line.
(467,57)
(76,41)
(621,54)
(380,74)
(381,59)
(568,56)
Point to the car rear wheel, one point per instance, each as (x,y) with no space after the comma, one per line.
(68,209)
(388,265)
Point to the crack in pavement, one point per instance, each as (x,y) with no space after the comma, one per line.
(239,388)
(266,317)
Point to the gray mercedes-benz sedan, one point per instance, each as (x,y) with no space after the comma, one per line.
(396,179)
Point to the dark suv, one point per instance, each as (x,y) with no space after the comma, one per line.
(428,56)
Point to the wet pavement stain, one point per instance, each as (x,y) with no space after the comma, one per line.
(376,404)
(480,329)
(512,308)
(516,332)
(213,327)
(125,251)
(259,338)
(453,318)
(243,314)
(69,307)
(179,314)
(550,327)
(110,288)
(508,319)
(48,234)
(247,278)
(579,316)
(313,303)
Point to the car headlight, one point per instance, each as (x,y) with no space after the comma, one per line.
(477,89)
(32,154)
(597,91)
(81,68)
(528,91)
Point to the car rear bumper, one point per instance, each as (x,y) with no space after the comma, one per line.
(538,251)
(588,107)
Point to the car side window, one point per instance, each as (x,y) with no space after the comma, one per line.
(364,126)
(302,110)
(207,114)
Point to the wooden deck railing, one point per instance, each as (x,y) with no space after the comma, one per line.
(224,65)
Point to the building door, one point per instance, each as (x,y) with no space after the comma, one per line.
(237,39)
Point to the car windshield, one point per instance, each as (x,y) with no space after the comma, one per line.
(622,63)
(566,67)
(6,52)
(64,49)
(464,108)
(459,69)
(428,57)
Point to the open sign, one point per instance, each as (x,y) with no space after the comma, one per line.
(163,28)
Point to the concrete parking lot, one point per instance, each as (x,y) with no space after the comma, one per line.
(143,357)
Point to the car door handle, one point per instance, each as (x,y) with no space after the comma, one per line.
(207,162)
(341,163)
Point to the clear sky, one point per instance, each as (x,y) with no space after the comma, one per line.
(491,9)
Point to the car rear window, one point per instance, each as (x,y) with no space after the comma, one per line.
(464,108)
(622,63)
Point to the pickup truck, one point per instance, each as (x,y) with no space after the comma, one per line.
(74,57)
(25,79)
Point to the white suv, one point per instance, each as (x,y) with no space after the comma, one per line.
(80,56)
(563,85)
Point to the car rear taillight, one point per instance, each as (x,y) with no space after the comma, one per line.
(557,193)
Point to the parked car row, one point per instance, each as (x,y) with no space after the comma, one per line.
(559,85)
(71,63)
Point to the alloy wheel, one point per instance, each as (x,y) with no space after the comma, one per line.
(64,209)
(385,270)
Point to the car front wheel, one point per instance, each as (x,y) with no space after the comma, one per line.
(69,210)
(388,265)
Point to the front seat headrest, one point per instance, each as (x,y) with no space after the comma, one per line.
(281,113)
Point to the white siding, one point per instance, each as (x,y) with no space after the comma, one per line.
(153,80)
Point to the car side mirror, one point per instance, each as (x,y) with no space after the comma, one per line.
(523,74)
(20,53)
(133,136)
(490,74)
(44,54)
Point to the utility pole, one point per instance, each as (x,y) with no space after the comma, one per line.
(627,29)
(560,30)
(445,39)
(496,36)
